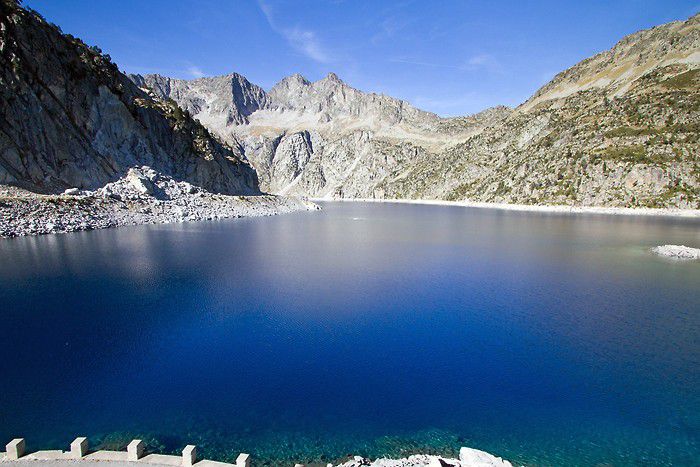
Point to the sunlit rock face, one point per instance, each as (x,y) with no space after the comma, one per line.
(618,129)
(320,138)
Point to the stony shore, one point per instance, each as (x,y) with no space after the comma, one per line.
(468,457)
(561,209)
(142,197)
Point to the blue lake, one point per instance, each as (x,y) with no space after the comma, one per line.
(369,329)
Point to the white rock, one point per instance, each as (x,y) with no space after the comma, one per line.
(469,457)
(139,182)
(677,251)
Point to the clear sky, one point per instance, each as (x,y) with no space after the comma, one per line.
(451,57)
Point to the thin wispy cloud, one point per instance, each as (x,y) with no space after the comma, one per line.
(425,64)
(307,43)
(195,72)
(464,103)
(304,41)
(484,62)
(188,71)
(446,106)
(389,28)
(477,61)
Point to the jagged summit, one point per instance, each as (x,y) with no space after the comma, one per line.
(333,78)
(225,102)
(292,80)
(298,80)
(217,101)
(295,122)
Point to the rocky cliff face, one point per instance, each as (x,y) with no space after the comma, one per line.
(618,129)
(69,118)
(219,102)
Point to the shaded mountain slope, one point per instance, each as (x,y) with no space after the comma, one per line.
(69,118)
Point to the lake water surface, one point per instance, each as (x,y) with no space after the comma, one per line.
(369,329)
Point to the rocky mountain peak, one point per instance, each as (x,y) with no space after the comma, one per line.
(217,101)
(294,81)
(333,78)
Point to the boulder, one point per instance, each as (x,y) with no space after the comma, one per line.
(476,458)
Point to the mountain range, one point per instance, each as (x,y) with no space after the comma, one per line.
(618,129)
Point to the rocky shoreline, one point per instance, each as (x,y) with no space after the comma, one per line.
(80,455)
(143,196)
(468,457)
(552,208)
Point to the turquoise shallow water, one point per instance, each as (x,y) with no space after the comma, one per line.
(361,329)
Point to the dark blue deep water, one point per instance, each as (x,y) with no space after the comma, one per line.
(366,329)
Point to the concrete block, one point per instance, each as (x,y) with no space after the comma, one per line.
(134,451)
(189,455)
(79,447)
(15,449)
(243,460)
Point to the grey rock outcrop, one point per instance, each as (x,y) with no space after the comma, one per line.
(70,119)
